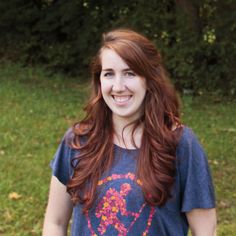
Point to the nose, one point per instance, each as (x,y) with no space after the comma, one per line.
(119,84)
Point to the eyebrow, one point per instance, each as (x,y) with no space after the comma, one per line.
(110,69)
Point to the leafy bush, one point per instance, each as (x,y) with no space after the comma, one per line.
(196,38)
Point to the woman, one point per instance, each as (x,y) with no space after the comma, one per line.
(130,167)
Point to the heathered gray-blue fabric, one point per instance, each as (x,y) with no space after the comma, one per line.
(120,208)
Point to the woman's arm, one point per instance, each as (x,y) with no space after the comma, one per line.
(202,222)
(58,211)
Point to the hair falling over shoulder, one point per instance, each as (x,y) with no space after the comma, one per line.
(93,136)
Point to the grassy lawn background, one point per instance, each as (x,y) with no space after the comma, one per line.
(35,111)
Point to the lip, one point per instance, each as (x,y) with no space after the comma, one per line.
(121,100)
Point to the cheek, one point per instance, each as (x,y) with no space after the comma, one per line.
(143,86)
(105,87)
(138,86)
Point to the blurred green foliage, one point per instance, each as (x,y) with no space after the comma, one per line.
(196,38)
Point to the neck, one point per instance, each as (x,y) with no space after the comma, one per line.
(123,134)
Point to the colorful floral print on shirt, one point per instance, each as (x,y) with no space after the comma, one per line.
(112,208)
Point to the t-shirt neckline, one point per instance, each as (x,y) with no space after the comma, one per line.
(125,149)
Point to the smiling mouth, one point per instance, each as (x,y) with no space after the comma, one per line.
(122,98)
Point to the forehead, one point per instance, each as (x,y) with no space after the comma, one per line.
(110,59)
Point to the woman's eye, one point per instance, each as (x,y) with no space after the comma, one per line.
(108,74)
(129,74)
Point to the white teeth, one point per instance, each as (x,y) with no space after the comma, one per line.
(121,98)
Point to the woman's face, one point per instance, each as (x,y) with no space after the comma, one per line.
(122,89)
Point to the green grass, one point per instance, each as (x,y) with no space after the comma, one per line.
(35,111)
(214,122)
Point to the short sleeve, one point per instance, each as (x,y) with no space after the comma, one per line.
(61,162)
(196,184)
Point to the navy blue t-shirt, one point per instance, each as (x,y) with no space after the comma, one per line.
(120,208)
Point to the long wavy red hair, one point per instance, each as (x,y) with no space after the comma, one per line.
(93,136)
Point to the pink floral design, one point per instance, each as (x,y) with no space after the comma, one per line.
(108,208)
(114,202)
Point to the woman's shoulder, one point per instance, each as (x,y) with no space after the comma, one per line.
(189,147)
(187,137)
(74,137)
(189,143)
(68,136)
